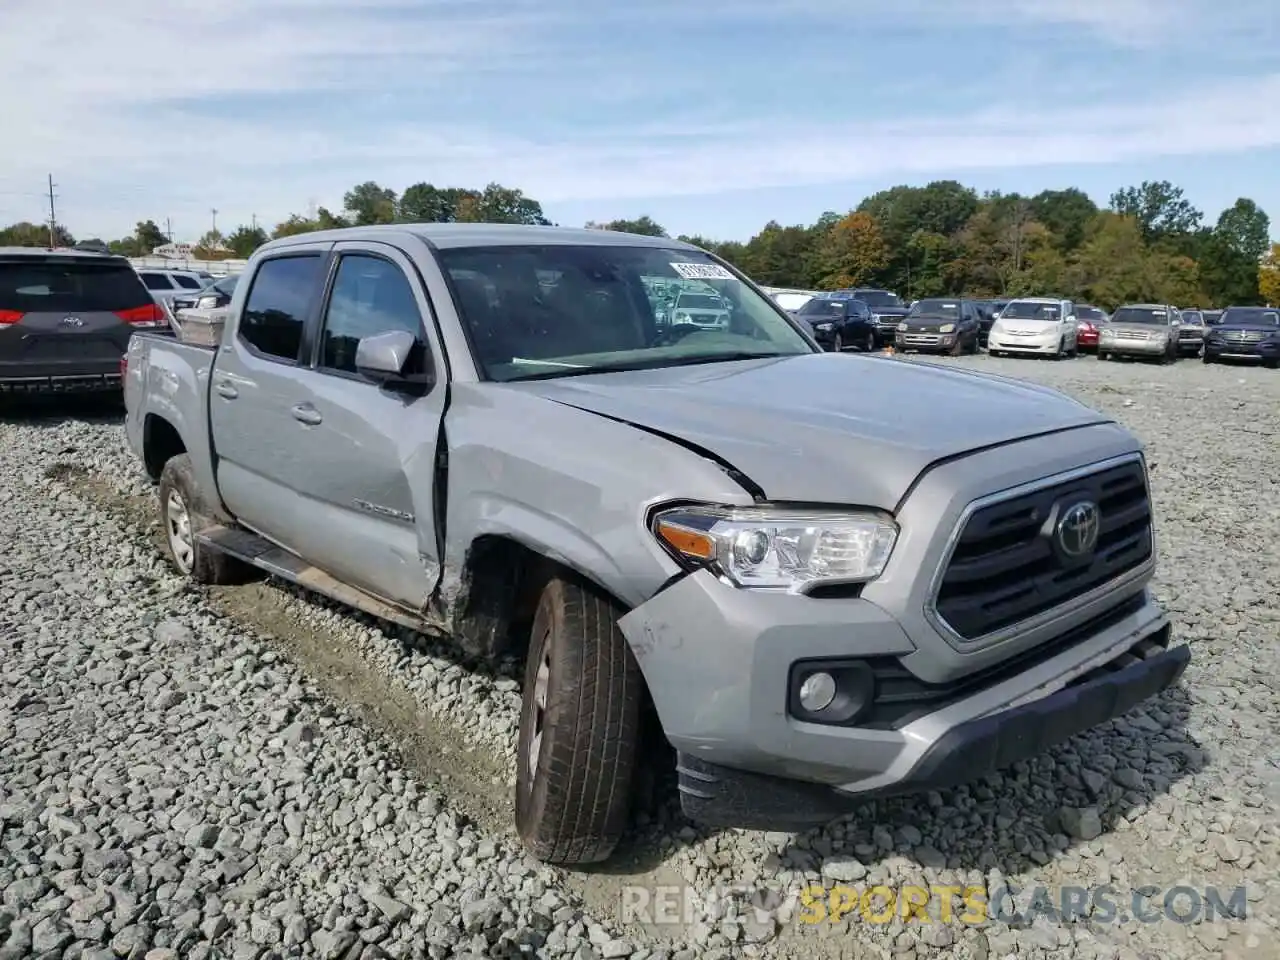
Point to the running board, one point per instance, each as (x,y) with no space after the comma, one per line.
(279,562)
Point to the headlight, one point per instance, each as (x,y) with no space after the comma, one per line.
(779,549)
(681,317)
(207,303)
(875,318)
(947,328)
(1107,335)
(822,326)
(902,327)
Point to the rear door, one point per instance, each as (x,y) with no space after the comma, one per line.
(68,317)
(256,393)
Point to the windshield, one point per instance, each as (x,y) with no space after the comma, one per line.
(1254,316)
(1192,317)
(821,306)
(946,309)
(877,298)
(1158,316)
(1031,310)
(62,284)
(226,285)
(1089,313)
(536,312)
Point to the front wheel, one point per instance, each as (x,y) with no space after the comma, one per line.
(869,344)
(1207,359)
(837,343)
(579,727)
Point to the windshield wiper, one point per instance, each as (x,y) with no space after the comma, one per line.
(653,364)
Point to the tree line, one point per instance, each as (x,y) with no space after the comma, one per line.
(942,239)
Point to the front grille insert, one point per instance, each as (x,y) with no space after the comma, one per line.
(1006,568)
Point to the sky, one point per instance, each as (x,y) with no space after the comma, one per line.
(711,116)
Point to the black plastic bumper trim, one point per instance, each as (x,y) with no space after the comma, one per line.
(721,796)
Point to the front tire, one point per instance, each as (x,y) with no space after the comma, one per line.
(182,516)
(579,727)
(869,344)
(837,343)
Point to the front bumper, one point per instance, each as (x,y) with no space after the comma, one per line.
(999,342)
(744,760)
(1135,348)
(964,752)
(826,338)
(1265,350)
(914,340)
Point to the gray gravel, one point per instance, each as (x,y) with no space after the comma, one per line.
(175,782)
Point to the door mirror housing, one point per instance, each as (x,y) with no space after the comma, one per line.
(388,359)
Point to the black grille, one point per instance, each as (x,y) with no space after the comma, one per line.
(1005,568)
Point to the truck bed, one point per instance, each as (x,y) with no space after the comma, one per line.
(169,377)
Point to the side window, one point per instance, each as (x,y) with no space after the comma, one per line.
(370,296)
(156,281)
(277,306)
(189,283)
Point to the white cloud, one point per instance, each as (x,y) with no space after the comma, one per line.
(112,120)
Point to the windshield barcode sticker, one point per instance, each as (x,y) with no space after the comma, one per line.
(702,271)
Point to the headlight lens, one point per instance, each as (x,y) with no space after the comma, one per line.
(902,326)
(822,326)
(761,547)
(207,303)
(947,328)
(1107,334)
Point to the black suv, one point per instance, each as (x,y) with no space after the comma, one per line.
(66,317)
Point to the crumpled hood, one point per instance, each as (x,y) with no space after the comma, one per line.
(824,428)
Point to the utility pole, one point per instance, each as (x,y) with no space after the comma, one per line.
(168,228)
(214,211)
(254,218)
(53,217)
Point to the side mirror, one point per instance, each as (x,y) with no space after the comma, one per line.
(385,359)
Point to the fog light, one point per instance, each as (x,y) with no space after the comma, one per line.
(817,691)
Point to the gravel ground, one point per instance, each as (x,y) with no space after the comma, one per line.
(252,772)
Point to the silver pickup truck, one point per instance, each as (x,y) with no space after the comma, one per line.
(827,576)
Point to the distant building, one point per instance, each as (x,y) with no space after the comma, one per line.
(174,251)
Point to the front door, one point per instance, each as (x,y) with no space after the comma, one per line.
(373,448)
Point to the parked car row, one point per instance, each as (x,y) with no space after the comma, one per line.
(1053,327)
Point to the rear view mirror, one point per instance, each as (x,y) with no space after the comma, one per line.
(388,359)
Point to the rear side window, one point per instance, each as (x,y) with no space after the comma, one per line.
(277,306)
(156,281)
(189,283)
(64,285)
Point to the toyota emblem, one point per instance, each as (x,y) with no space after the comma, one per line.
(1077,532)
(72,322)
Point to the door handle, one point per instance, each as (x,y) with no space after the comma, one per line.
(306,413)
(225,389)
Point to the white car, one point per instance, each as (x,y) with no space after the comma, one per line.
(1035,326)
(164,285)
(792,300)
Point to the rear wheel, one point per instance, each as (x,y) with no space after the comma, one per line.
(182,516)
(579,727)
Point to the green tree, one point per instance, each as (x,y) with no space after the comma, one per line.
(1112,265)
(1159,208)
(1066,212)
(368,203)
(499,204)
(28,234)
(780,256)
(294,225)
(244,240)
(1269,276)
(149,236)
(645,226)
(425,203)
(853,252)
